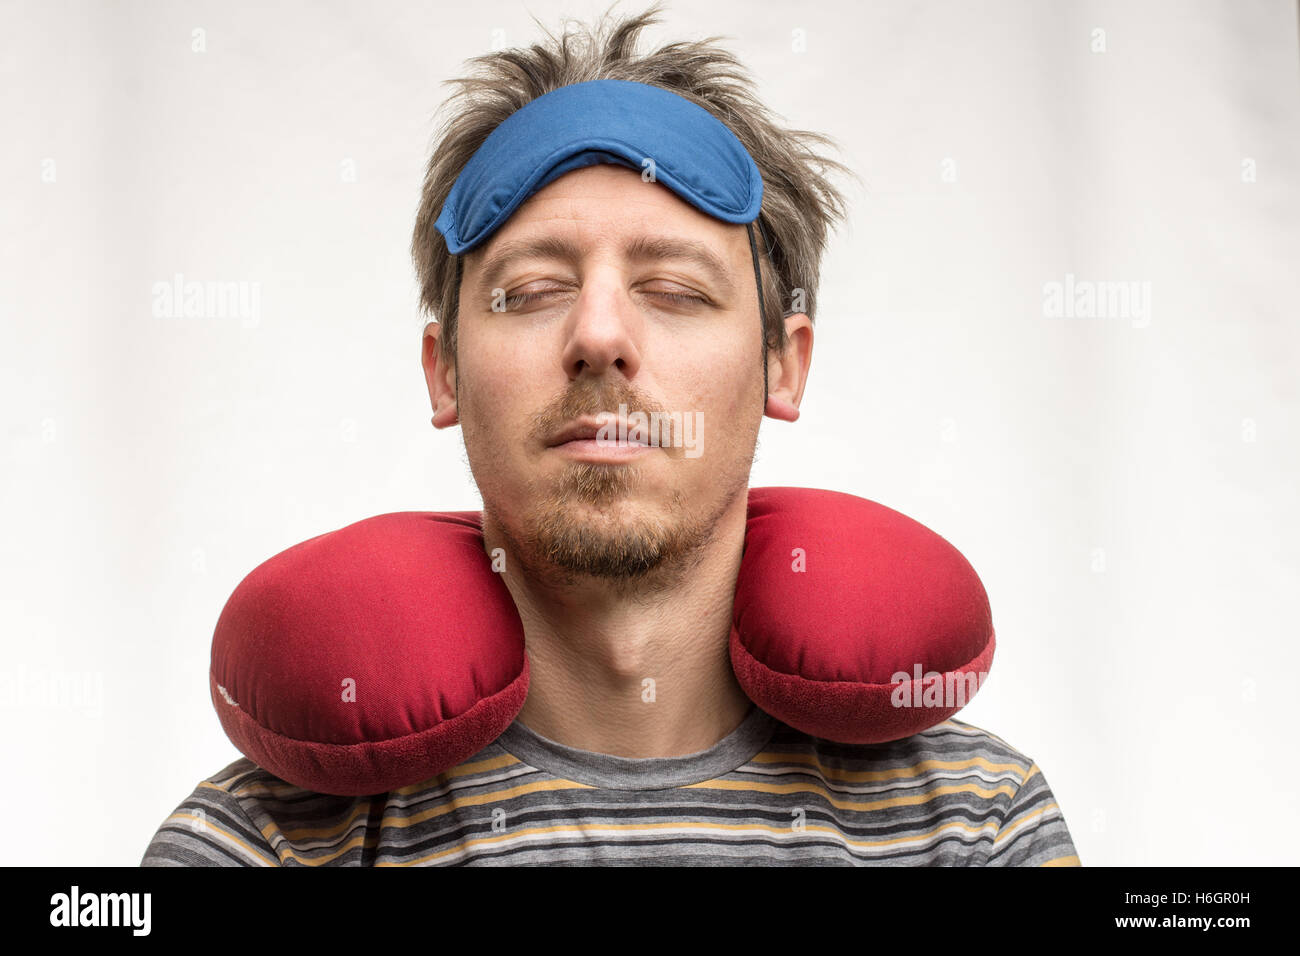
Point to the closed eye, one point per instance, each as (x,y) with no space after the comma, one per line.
(514,301)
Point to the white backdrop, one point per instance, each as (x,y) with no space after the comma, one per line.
(1125,486)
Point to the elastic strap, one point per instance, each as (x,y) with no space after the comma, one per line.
(758,278)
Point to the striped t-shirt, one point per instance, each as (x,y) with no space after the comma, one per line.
(764,795)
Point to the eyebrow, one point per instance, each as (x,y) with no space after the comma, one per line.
(639,249)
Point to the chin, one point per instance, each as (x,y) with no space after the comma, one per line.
(602,524)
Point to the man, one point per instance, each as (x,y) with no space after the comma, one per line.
(603,294)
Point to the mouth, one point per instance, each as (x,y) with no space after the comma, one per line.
(580,439)
(590,428)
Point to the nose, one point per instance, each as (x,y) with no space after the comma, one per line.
(603,328)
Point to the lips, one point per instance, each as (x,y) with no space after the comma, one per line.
(586,429)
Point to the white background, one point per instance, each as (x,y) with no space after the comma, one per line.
(1126,491)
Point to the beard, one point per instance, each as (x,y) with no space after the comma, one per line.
(586,525)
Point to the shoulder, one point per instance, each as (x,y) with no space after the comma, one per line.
(952,761)
(954,784)
(225,820)
(246,816)
(947,744)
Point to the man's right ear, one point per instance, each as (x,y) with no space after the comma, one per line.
(440,376)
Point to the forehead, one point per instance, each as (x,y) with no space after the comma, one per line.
(604,208)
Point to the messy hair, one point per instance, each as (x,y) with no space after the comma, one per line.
(799,206)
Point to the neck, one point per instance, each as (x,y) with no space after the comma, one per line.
(634,674)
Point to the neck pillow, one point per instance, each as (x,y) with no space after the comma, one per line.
(386,652)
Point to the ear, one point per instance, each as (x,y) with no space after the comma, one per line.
(440,375)
(787,371)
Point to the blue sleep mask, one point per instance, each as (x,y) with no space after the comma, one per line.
(601,121)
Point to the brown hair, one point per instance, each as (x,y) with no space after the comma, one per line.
(799,202)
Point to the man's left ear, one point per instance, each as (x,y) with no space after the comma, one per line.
(787,371)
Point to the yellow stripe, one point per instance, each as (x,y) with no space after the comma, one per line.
(550,786)
(278,790)
(442,809)
(361,839)
(272,829)
(228,835)
(641,827)
(479,766)
(566,784)
(897,773)
(842,804)
(1070,860)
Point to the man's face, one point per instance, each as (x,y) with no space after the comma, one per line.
(607,327)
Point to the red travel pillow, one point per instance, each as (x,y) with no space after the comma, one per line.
(381,654)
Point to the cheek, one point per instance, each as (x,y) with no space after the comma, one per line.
(724,384)
(498,389)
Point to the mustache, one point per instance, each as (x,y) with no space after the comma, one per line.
(591,399)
